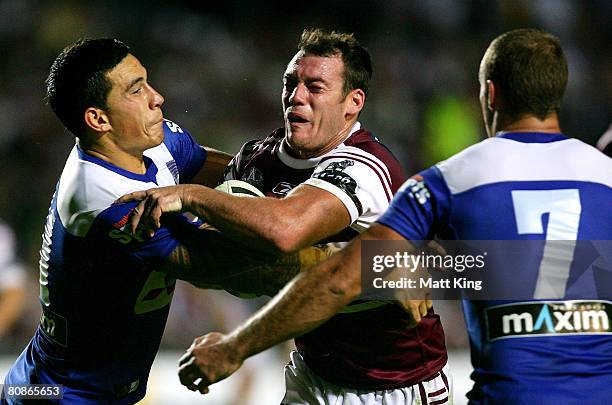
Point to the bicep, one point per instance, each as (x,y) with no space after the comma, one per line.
(362,185)
(317,213)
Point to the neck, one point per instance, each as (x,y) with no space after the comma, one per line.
(529,123)
(110,153)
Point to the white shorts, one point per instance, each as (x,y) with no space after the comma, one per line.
(304,387)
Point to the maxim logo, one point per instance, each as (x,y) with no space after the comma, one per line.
(548,318)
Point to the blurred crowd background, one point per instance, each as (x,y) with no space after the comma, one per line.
(219,65)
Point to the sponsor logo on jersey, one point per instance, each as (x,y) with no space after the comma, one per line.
(54,326)
(173,127)
(334,174)
(255,177)
(548,318)
(415,188)
(121,235)
(339,166)
(282,188)
(121,223)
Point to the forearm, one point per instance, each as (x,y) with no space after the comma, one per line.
(207,259)
(256,221)
(213,168)
(268,274)
(304,217)
(245,275)
(310,299)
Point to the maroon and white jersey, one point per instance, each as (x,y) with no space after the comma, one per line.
(373,348)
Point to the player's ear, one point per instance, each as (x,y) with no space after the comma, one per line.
(97,119)
(355,102)
(490,95)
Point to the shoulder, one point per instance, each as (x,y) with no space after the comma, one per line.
(595,157)
(257,148)
(175,137)
(363,146)
(172,129)
(261,145)
(86,188)
(498,159)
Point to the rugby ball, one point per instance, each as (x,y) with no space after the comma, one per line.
(239,187)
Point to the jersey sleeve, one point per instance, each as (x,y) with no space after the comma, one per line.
(420,208)
(235,168)
(188,155)
(109,232)
(362,183)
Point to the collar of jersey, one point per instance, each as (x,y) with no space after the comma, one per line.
(149,176)
(309,163)
(532,137)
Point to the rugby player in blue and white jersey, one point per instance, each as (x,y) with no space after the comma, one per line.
(526,182)
(106,293)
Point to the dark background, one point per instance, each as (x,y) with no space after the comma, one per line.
(219,66)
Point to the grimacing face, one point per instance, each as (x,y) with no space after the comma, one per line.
(314,106)
(134,108)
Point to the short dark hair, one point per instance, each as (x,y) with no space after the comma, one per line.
(77,79)
(529,67)
(356,58)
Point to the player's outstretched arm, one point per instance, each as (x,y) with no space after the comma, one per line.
(213,168)
(207,259)
(306,216)
(307,301)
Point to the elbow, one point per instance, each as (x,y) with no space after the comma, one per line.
(286,238)
(285,243)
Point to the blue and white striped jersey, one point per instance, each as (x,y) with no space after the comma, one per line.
(104,302)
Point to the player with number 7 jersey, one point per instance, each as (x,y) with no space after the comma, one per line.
(543,333)
(482,194)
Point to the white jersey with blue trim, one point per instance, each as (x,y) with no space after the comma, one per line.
(557,346)
(104,302)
